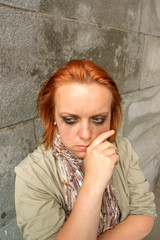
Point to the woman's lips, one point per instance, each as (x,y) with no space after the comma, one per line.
(82,147)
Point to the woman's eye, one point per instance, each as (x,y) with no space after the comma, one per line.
(99,120)
(69,120)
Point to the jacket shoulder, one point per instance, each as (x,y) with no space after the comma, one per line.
(38,167)
(35,157)
(125,151)
(123,142)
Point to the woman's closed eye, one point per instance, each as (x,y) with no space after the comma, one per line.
(99,120)
(69,120)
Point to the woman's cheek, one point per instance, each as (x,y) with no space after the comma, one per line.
(66,132)
(102,129)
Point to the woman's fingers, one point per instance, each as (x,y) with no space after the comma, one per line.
(111,157)
(106,145)
(100,143)
(100,159)
(102,137)
(109,151)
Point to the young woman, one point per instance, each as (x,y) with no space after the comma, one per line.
(83,182)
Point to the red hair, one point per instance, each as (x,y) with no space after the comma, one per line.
(81,71)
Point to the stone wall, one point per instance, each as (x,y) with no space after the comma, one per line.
(39,36)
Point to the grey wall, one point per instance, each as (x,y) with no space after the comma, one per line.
(37,37)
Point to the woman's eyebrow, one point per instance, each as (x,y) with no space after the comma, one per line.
(74,115)
(68,114)
(101,114)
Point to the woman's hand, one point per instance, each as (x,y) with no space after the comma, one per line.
(99,161)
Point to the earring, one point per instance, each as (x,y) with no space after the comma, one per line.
(55,124)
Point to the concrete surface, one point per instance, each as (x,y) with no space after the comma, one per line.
(10,231)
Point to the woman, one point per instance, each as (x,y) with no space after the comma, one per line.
(83,182)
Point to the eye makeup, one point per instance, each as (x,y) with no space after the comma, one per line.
(69,120)
(97,120)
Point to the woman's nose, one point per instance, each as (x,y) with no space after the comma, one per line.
(85,131)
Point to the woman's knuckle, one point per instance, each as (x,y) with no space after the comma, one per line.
(117,156)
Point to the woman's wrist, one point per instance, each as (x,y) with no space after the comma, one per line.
(92,188)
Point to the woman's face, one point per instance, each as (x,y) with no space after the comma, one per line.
(82,112)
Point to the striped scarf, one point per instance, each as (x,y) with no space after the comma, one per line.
(72,177)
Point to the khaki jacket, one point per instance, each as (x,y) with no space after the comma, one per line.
(39,200)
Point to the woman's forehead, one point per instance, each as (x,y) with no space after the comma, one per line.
(78,90)
(76,95)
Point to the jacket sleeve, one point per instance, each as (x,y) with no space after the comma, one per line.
(141,199)
(39,215)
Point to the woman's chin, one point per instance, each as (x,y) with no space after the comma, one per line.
(80,154)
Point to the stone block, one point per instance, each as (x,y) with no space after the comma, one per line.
(10,231)
(150,17)
(141,111)
(39,130)
(147,146)
(27,4)
(125,62)
(15,144)
(151,171)
(151,62)
(34,46)
(126,14)
(116,51)
(19,88)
